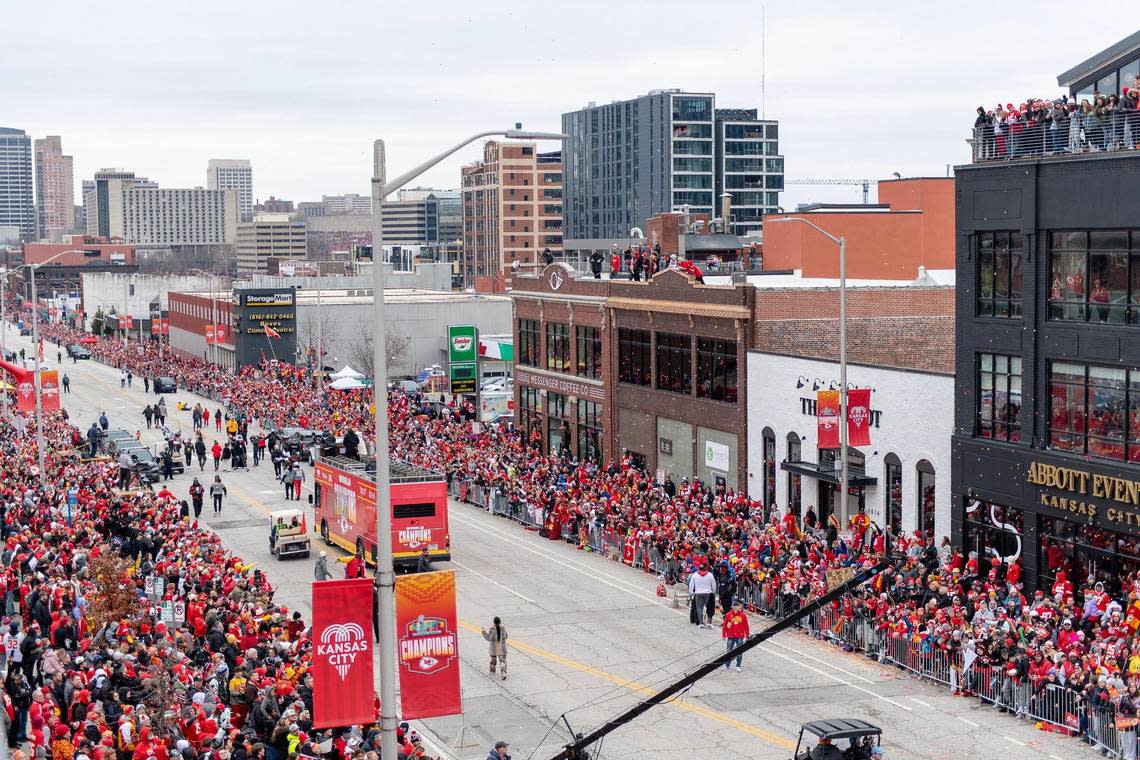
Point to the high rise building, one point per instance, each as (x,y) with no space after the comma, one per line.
(420,216)
(103,201)
(17,207)
(268,236)
(137,210)
(232,174)
(630,160)
(512,210)
(347,204)
(55,188)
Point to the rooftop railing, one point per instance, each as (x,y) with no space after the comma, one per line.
(1078,134)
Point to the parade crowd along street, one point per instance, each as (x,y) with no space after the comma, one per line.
(1066,656)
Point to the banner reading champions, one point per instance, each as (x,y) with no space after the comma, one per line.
(427,645)
(827,419)
(343,692)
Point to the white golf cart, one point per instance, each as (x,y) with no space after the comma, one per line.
(288,536)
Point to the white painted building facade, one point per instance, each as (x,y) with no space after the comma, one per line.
(904,474)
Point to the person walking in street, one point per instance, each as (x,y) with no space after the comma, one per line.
(59,357)
(287,479)
(423,563)
(497,646)
(93,440)
(130,378)
(216,453)
(160,411)
(125,465)
(321,569)
(355,566)
(298,479)
(279,460)
(702,587)
(217,491)
(122,378)
(218,420)
(500,752)
(734,631)
(197,492)
(104,423)
(196,417)
(200,452)
(149,414)
(66,383)
(168,462)
(146,383)
(188,451)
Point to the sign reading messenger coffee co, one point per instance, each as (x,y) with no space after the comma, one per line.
(1093,496)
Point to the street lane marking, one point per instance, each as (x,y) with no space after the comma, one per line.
(968,722)
(1015,741)
(916,700)
(864,679)
(634,686)
(494,582)
(835,678)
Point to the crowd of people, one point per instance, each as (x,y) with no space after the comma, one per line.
(1039,126)
(971,610)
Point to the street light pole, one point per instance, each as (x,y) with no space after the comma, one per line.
(385,570)
(843,468)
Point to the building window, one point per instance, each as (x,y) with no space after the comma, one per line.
(588,352)
(999,397)
(926,503)
(769,470)
(993,530)
(1095,276)
(894,493)
(794,482)
(558,424)
(674,357)
(716,369)
(1000,257)
(1084,551)
(557,347)
(530,414)
(1095,411)
(590,431)
(528,342)
(634,358)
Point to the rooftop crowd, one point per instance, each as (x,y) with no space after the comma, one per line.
(1075,636)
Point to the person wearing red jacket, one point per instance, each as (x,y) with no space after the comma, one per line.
(734,630)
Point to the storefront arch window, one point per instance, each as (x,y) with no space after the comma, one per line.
(769,438)
(926,502)
(794,483)
(894,493)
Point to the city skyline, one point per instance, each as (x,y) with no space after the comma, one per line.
(307,125)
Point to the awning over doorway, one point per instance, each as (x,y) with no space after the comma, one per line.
(856,476)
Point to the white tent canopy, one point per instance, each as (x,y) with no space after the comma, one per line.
(347,371)
(346,384)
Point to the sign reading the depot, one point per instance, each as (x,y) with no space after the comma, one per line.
(1104,498)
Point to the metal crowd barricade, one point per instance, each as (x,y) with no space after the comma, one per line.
(1102,730)
(1057,706)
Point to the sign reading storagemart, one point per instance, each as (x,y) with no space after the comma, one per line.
(462,344)
(257,309)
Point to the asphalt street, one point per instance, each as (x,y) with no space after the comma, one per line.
(589,638)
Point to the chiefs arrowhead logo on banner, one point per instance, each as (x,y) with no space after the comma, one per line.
(428,647)
(220,333)
(25,395)
(49,390)
(859,417)
(827,419)
(209,334)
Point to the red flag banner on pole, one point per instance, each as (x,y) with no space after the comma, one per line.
(271,333)
(343,693)
(220,332)
(49,390)
(209,335)
(827,419)
(428,645)
(859,417)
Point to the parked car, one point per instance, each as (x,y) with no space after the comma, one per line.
(25,331)
(165,385)
(144,463)
(410,387)
(115,441)
(298,441)
(77,351)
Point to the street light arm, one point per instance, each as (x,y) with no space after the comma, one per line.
(515,134)
(809,223)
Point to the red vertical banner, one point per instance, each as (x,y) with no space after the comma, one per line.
(428,645)
(859,417)
(827,419)
(220,333)
(343,694)
(209,335)
(25,393)
(165,326)
(49,390)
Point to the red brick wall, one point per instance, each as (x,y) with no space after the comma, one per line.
(815,303)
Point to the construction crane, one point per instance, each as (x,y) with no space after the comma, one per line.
(865,183)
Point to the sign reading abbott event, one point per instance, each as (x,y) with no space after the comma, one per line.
(462,344)
(427,645)
(1091,491)
(343,693)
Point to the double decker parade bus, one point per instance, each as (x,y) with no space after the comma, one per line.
(344,501)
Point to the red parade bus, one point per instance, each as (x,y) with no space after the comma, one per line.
(344,502)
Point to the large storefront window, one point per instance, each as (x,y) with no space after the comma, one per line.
(589,352)
(993,530)
(716,369)
(674,368)
(795,484)
(926,502)
(558,423)
(769,470)
(1085,552)
(999,397)
(1095,276)
(590,431)
(557,347)
(1095,411)
(1000,256)
(894,509)
(634,358)
(530,415)
(528,342)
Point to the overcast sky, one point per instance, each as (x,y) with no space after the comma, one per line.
(302,88)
